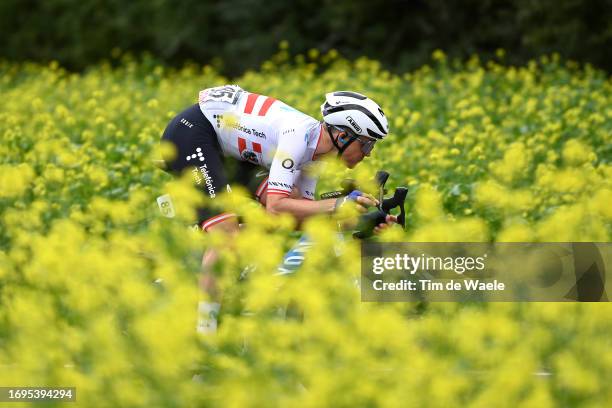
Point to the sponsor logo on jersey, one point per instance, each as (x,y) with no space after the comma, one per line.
(218,119)
(196,176)
(201,175)
(258,133)
(208,180)
(186,123)
(251,153)
(353,123)
(236,125)
(197,155)
(277,184)
(249,156)
(288,164)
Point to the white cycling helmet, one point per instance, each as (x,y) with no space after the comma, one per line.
(356,112)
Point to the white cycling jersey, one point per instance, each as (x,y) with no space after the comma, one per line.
(267,132)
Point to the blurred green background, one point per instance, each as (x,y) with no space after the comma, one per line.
(237,35)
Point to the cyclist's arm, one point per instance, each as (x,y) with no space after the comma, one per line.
(295,194)
(283,176)
(306,182)
(304,208)
(299,208)
(303,190)
(285,171)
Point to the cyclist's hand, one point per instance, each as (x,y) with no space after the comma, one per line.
(362,200)
(390,220)
(365,201)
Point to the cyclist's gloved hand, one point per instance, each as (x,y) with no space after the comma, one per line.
(362,200)
(353,195)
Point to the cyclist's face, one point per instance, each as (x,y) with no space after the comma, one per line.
(353,154)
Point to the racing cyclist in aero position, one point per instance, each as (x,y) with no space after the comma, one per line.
(260,131)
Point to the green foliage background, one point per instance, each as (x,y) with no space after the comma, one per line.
(240,34)
(98,291)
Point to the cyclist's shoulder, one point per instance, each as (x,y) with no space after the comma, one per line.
(294,118)
(289,109)
(297,128)
(220,96)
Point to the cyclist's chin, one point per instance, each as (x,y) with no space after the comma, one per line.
(352,160)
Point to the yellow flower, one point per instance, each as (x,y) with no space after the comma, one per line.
(438,55)
(101,291)
(15,180)
(575,152)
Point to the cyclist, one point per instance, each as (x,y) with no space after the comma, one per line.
(260,131)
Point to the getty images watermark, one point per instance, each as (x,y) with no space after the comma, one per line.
(496,272)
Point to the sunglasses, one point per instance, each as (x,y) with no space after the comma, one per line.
(367,144)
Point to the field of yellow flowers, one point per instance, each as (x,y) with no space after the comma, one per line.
(99,292)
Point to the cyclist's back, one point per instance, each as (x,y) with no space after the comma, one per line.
(256,130)
(251,127)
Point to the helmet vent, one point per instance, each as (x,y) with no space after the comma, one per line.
(351,94)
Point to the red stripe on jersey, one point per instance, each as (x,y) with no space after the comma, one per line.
(261,188)
(215,220)
(276,191)
(256,147)
(250,103)
(241,144)
(266,105)
(279,193)
(263,192)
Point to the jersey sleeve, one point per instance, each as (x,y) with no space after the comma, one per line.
(307,184)
(285,165)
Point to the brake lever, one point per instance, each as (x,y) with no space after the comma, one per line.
(398,200)
(380,179)
(369,221)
